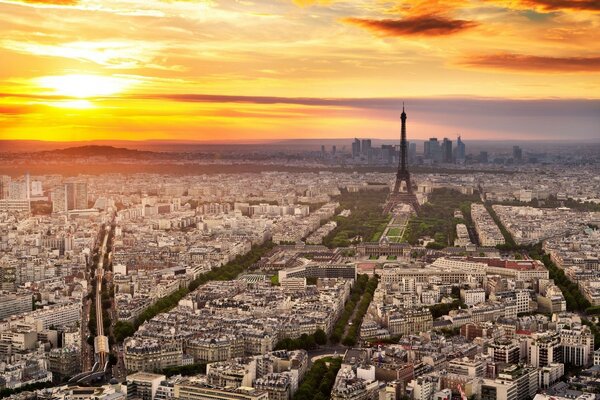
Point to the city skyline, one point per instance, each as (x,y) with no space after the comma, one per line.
(234,71)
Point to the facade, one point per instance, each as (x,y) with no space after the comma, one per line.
(577,346)
(64,362)
(544,349)
(200,391)
(143,385)
(472,296)
(410,321)
(14,304)
(152,355)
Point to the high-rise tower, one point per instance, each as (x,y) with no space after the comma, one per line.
(403,175)
(397,195)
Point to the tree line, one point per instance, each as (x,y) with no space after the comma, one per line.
(319,380)
(351,336)
(355,294)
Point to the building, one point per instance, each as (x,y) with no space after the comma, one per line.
(505,351)
(526,379)
(409,321)
(152,355)
(76,195)
(544,349)
(577,346)
(446,150)
(14,304)
(497,389)
(356,148)
(190,390)
(467,367)
(472,296)
(64,362)
(143,385)
(461,152)
(517,154)
(432,150)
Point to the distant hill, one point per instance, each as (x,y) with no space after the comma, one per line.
(101,151)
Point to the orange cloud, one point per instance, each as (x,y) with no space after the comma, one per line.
(425,25)
(524,62)
(50,2)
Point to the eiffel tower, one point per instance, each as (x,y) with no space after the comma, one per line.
(397,195)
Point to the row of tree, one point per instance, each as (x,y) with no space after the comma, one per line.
(441,309)
(510,244)
(576,301)
(306,342)
(355,294)
(353,331)
(319,380)
(185,370)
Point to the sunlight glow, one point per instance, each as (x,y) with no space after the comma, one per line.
(82,86)
(78,104)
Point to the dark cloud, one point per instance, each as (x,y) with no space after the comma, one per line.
(457,105)
(423,25)
(590,5)
(524,62)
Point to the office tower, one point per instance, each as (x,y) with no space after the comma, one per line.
(4,186)
(323,151)
(396,196)
(483,157)
(461,152)
(356,148)
(59,199)
(366,147)
(432,150)
(447,150)
(412,151)
(18,190)
(36,188)
(76,194)
(517,154)
(387,153)
(333,150)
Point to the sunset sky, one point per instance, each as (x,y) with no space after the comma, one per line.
(271,69)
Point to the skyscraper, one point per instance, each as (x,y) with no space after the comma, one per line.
(59,199)
(4,186)
(356,148)
(432,150)
(483,157)
(76,195)
(366,147)
(461,152)
(412,151)
(447,150)
(517,154)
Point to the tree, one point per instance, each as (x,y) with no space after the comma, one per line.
(320,337)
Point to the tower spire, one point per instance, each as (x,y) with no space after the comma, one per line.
(402,175)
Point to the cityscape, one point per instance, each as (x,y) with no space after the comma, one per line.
(299,200)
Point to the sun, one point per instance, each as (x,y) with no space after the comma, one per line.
(82,86)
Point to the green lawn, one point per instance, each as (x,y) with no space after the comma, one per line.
(365,221)
(394,232)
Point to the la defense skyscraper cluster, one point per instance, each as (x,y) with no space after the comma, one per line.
(402,175)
